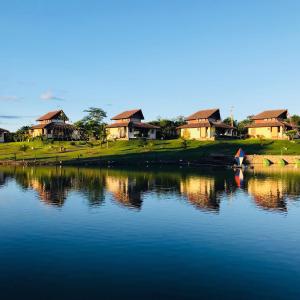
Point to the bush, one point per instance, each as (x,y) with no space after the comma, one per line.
(184,143)
(72,143)
(90,144)
(23,147)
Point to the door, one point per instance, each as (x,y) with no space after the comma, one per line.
(274,131)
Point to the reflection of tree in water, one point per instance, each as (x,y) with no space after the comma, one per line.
(4,177)
(91,186)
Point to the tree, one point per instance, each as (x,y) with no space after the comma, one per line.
(241,126)
(228,121)
(22,134)
(295,120)
(92,125)
(168,128)
(291,134)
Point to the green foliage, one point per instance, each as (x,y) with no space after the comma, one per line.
(23,147)
(295,120)
(21,134)
(184,143)
(159,150)
(291,134)
(241,126)
(228,121)
(92,125)
(168,128)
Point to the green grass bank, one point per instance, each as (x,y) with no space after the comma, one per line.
(134,151)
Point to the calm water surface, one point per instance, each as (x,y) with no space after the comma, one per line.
(149,234)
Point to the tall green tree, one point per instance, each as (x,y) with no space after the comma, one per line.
(92,125)
(21,134)
(228,121)
(295,120)
(241,126)
(168,128)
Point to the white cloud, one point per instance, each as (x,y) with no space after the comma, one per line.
(49,95)
(9,98)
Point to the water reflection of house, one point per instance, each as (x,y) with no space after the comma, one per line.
(201,192)
(126,190)
(267,193)
(52,194)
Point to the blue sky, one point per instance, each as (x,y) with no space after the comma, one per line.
(168,57)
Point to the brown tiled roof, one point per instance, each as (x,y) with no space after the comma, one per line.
(269,124)
(206,124)
(52,125)
(39,126)
(127,114)
(202,114)
(120,124)
(268,114)
(222,125)
(50,115)
(144,125)
(133,124)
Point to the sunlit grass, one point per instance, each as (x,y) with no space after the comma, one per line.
(168,149)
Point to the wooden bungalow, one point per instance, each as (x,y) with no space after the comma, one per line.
(270,124)
(53,125)
(206,125)
(3,134)
(128,125)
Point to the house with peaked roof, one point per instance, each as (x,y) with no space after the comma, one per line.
(53,125)
(128,125)
(270,124)
(3,133)
(206,125)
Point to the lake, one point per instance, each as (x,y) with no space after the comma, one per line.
(151,233)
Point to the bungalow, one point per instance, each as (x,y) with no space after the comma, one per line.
(270,124)
(128,125)
(3,133)
(206,125)
(53,125)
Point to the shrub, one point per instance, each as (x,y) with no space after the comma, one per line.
(90,144)
(23,147)
(184,143)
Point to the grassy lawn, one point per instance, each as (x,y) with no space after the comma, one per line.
(137,151)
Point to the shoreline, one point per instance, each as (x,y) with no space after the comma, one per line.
(209,160)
